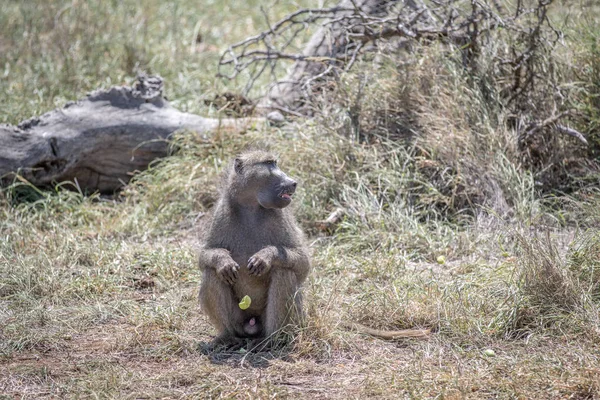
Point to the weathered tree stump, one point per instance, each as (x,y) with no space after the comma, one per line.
(101,140)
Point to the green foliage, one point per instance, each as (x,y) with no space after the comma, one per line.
(588,72)
(584,263)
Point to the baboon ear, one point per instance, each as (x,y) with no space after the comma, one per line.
(238,165)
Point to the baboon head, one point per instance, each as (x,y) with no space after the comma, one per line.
(257,178)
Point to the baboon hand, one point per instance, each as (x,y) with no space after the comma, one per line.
(260,263)
(228,272)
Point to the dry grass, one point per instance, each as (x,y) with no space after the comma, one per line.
(98,296)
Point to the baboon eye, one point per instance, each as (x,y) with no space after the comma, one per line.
(271,162)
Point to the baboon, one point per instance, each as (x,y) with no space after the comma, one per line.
(253,246)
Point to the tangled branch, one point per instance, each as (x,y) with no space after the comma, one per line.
(342,34)
(347,29)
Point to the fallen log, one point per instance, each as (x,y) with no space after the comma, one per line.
(98,142)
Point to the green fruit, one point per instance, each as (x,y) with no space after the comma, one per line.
(441,260)
(489,352)
(245,302)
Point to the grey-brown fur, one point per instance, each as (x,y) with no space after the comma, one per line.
(253,247)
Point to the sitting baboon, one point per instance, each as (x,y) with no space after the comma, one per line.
(253,247)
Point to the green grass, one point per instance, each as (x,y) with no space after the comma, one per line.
(56,51)
(98,296)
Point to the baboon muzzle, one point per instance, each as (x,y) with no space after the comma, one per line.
(288,189)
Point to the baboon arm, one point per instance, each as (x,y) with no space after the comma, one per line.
(293,258)
(212,258)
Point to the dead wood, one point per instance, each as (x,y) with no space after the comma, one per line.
(329,47)
(100,141)
(386,334)
(331,221)
(344,32)
(354,27)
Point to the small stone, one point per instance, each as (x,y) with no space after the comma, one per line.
(276,118)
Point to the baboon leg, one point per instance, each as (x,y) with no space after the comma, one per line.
(284,303)
(218,303)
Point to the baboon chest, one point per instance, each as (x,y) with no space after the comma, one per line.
(253,233)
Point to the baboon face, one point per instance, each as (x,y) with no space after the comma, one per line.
(263,179)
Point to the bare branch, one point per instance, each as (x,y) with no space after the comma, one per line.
(572,132)
(347,28)
(552,122)
(354,27)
